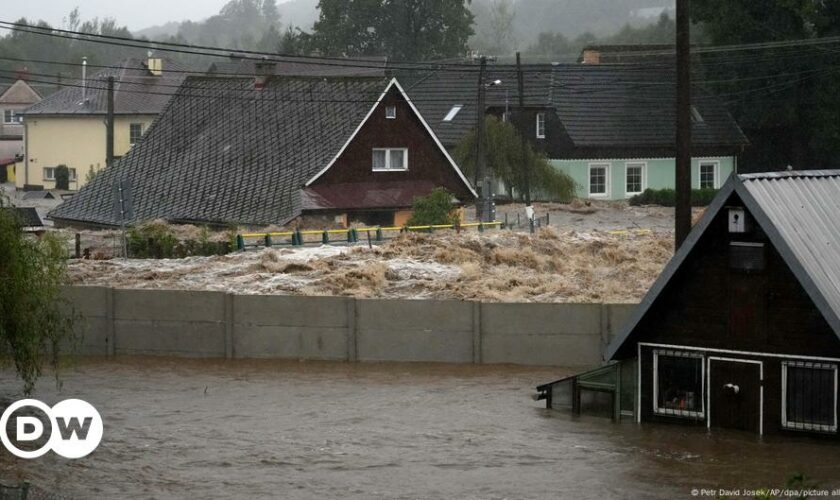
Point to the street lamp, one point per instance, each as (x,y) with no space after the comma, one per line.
(484,208)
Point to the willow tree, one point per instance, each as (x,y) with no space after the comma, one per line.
(507,160)
(35,321)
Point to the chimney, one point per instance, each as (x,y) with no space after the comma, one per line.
(591,56)
(262,71)
(154,64)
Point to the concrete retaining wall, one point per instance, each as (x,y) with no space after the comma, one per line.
(220,325)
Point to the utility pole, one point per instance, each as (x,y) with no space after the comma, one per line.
(109,125)
(480,160)
(682,210)
(523,127)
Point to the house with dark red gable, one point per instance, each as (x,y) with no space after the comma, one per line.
(390,159)
(246,151)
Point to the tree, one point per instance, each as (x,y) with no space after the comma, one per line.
(406,30)
(506,160)
(34,320)
(786,99)
(62,177)
(495,28)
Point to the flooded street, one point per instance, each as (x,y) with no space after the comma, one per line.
(269,429)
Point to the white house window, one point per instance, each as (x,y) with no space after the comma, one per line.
(11,117)
(598,179)
(135,132)
(634,182)
(809,396)
(390,112)
(540,125)
(72,175)
(708,175)
(390,159)
(453,112)
(49,173)
(678,384)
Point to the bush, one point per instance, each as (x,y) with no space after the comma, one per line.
(668,197)
(35,321)
(157,240)
(436,208)
(62,177)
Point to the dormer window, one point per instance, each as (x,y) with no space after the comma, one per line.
(390,112)
(540,125)
(696,117)
(453,112)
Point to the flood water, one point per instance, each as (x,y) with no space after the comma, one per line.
(269,429)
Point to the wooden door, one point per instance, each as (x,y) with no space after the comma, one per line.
(735,395)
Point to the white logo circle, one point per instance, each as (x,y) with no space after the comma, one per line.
(75,428)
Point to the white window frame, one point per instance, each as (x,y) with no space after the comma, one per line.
(130,125)
(796,426)
(716,164)
(606,167)
(15,118)
(72,174)
(668,412)
(540,126)
(643,183)
(391,112)
(49,173)
(453,112)
(388,160)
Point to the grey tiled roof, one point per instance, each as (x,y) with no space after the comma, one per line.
(610,106)
(635,106)
(223,152)
(136,91)
(302,66)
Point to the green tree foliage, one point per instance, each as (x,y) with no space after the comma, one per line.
(401,29)
(494,30)
(62,177)
(34,319)
(505,159)
(563,48)
(435,208)
(787,100)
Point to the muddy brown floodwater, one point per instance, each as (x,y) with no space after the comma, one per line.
(268,429)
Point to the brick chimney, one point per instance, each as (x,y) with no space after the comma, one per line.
(263,71)
(591,56)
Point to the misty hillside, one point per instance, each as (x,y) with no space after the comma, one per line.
(531,17)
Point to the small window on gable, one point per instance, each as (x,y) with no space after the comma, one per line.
(135,132)
(746,256)
(453,112)
(390,112)
(540,125)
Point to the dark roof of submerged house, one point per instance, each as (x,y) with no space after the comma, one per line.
(225,152)
(27,217)
(614,105)
(136,91)
(301,66)
(799,211)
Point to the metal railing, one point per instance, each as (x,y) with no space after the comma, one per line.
(347,236)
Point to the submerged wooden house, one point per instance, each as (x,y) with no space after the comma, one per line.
(742,328)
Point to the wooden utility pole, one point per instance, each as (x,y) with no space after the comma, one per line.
(682,210)
(480,160)
(109,125)
(522,123)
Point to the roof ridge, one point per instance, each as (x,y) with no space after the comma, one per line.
(790,173)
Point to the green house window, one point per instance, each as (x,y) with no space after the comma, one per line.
(598,179)
(634,181)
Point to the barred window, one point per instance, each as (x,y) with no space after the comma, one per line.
(678,384)
(809,399)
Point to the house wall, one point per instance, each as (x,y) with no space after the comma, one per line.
(78,142)
(659,173)
(17,97)
(426,162)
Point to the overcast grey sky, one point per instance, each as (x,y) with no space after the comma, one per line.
(132,13)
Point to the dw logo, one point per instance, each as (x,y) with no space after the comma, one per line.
(72,428)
